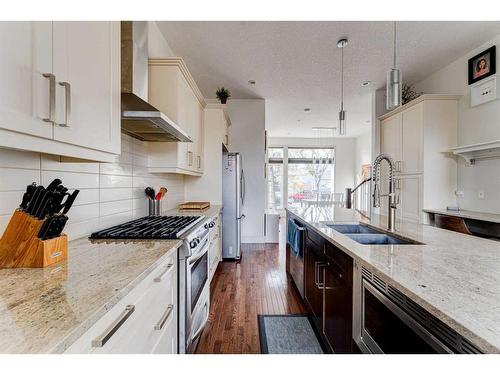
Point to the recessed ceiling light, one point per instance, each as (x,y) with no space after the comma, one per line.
(307,109)
(366,83)
(251,82)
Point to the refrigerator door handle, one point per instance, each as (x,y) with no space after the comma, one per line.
(242,187)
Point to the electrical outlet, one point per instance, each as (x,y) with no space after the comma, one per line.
(480,194)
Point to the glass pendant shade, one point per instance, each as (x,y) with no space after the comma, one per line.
(342,122)
(393,89)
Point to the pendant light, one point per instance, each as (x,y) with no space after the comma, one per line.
(341,44)
(394,81)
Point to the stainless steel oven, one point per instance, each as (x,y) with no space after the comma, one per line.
(387,321)
(194,288)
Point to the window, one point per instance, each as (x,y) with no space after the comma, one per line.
(310,176)
(301,175)
(275,178)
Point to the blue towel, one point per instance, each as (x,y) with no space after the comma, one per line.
(294,237)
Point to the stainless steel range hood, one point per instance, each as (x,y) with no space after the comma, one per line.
(140,119)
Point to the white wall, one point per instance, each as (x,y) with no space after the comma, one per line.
(477,124)
(246,135)
(363,153)
(110,193)
(344,174)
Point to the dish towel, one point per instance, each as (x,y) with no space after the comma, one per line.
(294,237)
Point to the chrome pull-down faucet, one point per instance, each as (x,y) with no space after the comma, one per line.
(391,222)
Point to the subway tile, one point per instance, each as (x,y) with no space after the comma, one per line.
(52,163)
(115,169)
(107,195)
(87,196)
(17,179)
(113,181)
(83,212)
(9,201)
(110,220)
(72,180)
(81,229)
(111,208)
(19,159)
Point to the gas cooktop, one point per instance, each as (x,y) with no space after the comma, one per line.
(150,227)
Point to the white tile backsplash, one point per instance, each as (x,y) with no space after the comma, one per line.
(110,193)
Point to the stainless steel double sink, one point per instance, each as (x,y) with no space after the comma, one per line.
(366,235)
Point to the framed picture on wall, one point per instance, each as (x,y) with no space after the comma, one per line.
(482,65)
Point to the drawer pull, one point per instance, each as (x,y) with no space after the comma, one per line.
(101,340)
(164,317)
(160,277)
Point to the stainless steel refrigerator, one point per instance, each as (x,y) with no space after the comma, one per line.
(233,198)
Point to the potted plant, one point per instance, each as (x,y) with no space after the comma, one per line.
(222,94)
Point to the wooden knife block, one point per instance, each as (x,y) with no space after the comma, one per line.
(20,246)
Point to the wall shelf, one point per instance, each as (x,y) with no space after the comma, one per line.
(477,151)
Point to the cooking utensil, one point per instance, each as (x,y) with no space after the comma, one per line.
(163,191)
(158,196)
(69,201)
(54,184)
(37,195)
(30,189)
(44,203)
(150,192)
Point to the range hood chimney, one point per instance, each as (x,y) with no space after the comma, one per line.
(139,118)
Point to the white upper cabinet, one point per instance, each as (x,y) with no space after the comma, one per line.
(173,91)
(60,91)
(87,68)
(415,136)
(26,50)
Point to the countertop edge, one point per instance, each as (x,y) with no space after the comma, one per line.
(465,214)
(74,335)
(477,340)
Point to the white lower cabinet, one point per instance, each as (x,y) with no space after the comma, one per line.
(144,321)
(215,249)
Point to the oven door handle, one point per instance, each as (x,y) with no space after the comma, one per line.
(198,255)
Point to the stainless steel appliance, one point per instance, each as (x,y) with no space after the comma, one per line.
(387,321)
(140,119)
(194,288)
(233,198)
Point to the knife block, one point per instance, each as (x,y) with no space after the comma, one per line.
(20,246)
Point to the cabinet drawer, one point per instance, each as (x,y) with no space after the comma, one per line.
(137,322)
(341,260)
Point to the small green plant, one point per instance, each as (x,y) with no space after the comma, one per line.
(222,94)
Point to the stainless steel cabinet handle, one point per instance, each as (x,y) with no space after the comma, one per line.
(101,340)
(52,96)
(199,161)
(67,99)
(190,158)
(158,278)
(164,317)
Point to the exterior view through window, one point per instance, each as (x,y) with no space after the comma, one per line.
(303,175)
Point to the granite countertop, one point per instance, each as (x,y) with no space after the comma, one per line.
(44,310)
(454,276)
(483,216)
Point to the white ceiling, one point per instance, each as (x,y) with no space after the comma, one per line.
(297,64)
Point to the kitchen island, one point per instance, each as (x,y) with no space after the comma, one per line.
(45,310)
(453,276)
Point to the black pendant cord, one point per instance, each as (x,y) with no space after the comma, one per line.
(342,79)
(394,47)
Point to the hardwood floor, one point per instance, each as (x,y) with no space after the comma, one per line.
(240,291)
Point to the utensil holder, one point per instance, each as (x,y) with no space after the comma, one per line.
(20,246)
(154,207)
